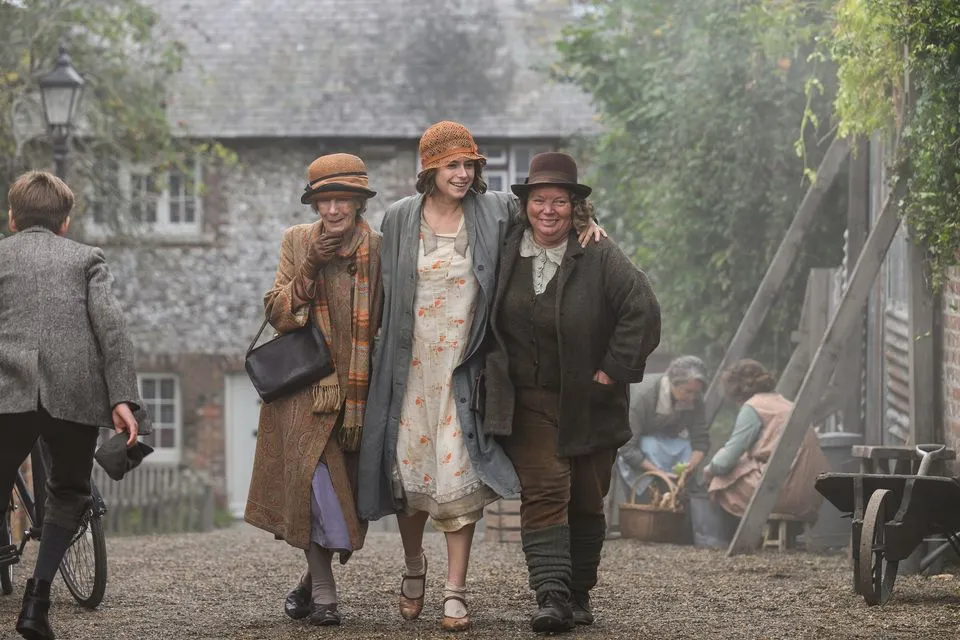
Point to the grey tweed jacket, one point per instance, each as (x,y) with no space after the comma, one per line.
(63,339)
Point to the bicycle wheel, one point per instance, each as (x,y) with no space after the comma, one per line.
(6,571)
(84,567)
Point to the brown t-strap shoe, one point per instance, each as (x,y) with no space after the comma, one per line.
(455,624)
(410,608)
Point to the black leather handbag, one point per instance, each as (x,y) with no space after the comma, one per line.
(289,362)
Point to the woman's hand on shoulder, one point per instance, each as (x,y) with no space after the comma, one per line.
(595,231)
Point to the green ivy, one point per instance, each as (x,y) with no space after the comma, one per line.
(875,45)
(696,171)
(128,60)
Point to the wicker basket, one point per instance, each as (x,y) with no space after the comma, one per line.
(651,523)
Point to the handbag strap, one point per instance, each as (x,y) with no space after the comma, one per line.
(266,319)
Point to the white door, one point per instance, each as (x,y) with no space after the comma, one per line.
(242,415)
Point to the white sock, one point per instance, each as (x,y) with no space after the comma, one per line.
(454,608)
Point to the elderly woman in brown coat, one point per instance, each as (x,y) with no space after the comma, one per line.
(305,471)
(572,327)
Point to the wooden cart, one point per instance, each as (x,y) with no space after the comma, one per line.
(891,515)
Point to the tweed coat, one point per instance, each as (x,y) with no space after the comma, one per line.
(608,318)
(291,438)
(63,337)
(487,218)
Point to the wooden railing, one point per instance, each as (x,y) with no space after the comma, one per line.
(156,498)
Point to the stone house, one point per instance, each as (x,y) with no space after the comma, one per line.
(280,82)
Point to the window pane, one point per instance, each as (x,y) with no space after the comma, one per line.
(148,388)
(496,155)
(175,210)
(166,413)
(168,438)
(189,214)
(176,184)
(521,160)
(151,410)
(166,389)
(495,182)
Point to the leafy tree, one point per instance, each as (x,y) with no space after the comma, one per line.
(699,165)
(127,61)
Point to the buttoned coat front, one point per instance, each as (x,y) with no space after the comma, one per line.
(487,218)
(63,337)
(608,319)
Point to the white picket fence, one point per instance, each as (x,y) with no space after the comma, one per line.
(156,498)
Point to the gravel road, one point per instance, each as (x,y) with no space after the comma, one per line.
(230,584)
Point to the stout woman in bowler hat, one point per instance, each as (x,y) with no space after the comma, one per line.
(572,327)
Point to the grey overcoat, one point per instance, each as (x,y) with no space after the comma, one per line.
(487,218)
(63,338)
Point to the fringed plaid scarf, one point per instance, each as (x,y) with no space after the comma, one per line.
(327,394)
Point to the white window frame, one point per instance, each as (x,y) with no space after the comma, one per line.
(162,227)
(503,174)
(165,455)
(532,149)
(496,154)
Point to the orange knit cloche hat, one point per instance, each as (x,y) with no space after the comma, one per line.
(445,141)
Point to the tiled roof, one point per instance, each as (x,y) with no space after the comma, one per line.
(371,68)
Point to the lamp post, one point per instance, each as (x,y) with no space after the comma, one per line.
(60,91)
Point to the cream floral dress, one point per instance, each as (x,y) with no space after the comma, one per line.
(433,469)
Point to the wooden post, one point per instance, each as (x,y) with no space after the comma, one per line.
(792,376)
(846,317)
(924,418)
(858,223)
(779,268)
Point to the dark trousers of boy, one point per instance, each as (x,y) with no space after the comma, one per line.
(70,447)
(561,510)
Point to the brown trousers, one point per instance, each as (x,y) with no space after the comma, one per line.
(553,490)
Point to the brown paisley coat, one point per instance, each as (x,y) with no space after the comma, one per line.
(291,438)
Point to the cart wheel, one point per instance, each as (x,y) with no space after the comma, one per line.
(874,573)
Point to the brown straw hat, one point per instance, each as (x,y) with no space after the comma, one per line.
(554,169)
(337,174)
(446,141)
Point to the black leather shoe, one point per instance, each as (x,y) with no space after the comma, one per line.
(324,615)
(580,603)
(297,604)
(32,623)
(554,614)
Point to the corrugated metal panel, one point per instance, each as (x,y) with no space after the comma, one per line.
(896,364)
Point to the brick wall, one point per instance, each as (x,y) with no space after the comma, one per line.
(202,408)
(951,358)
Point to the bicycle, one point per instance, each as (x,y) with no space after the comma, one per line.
(84,567)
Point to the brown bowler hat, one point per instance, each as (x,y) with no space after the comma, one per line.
(337,174)
(554,169)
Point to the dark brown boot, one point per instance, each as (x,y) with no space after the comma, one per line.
(32,623)
(580,602)
(553,614)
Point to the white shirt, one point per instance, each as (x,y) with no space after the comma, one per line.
(545,261)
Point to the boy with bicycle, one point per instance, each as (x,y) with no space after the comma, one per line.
(66,369)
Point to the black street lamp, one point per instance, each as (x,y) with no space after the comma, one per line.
(60,91)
